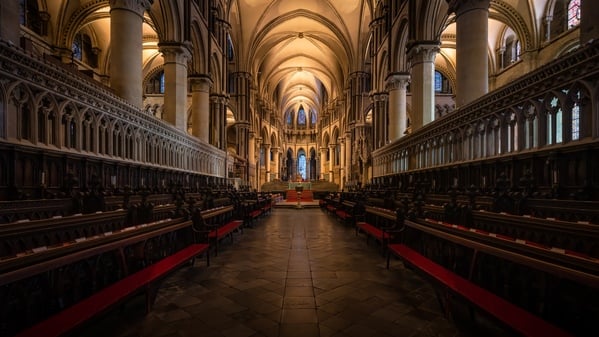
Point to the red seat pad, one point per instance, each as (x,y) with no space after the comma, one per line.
(82,311)
(517,318)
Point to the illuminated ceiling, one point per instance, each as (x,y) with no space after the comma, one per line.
(299,52)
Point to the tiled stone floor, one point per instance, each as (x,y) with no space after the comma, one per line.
(296,273)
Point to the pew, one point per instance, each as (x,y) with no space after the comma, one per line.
(345,212)
(515,281)
(24,235)
(219,222)
(513,316)
(102,271)
(580,236)
(146,280)
(378,223)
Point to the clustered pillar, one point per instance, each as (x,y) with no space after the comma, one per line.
(323,161)
(218,114)
(380,104)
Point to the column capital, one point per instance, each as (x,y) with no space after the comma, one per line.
(358,74)
(460,7)
(397,81)
(200,82)
(242,125)
(379,96)
(219,98)
(243,74)
(174,52)
(423,52)
(136,6)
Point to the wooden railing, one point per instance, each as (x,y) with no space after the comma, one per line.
(559,287)
(41,281)
(511,130)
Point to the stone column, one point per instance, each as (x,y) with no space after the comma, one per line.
(256,160)
(397,84)
(589,27)
(126,19)
(332,159)
(10,27)
(252,149)
(175,83)
(342,170)
(323,161)
(422,57)
(379,118)
(357,83)
(472,55)
(218,123)
(200,106)
(348,155)
(267,162)
(241,98)
(275,154)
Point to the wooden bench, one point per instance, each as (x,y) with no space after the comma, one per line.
(378,234)
(219,222)
(253,215)
(146,280)
(331,208)
(219,232)
(267,207)
(345,212)
(513,316)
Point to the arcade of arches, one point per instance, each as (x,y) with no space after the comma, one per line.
(427,117)
(261,91)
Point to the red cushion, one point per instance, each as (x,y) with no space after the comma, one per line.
(224,230)
(75,315)
(373,231)
(519,319)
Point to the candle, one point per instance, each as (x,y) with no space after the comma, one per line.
(113,180)
(43,177)
(455,181)
(555,176)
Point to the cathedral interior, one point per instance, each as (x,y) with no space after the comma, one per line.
(456,134)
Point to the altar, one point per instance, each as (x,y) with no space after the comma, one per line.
(305,185)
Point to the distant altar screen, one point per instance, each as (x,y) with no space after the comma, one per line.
(305,184)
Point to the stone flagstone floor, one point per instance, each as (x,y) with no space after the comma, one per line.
(298,272)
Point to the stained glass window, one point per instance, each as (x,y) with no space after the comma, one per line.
(301,116)
(573,13)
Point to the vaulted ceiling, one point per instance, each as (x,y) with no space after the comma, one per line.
(300,51)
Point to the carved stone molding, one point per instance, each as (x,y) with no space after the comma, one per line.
(200,82)
(46,79)
(136,6)
(461,6)
(423,52)
(397,81)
